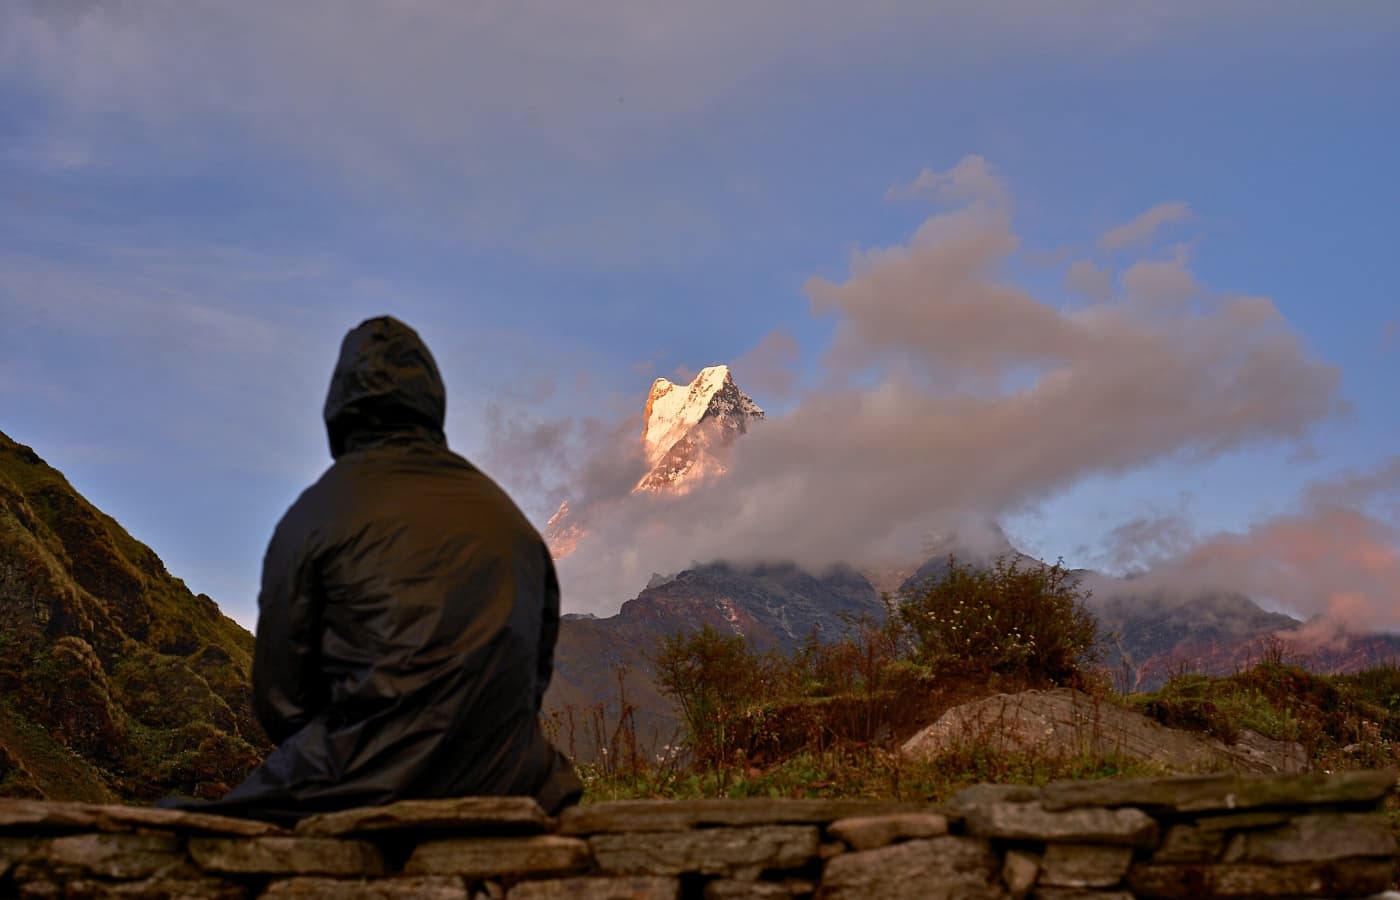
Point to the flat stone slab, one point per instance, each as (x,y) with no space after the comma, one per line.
(1355,878)
(726,889)
(499,815)
(178,886)
(613,888)
(874,832)
(1210,793)
(1191,843)
(43,815)
(982,794)
(488,857)
(287,856)
(945,868)
(1084,865)
(1031,822)
(16,849)
(680,815)
(124,856)
(432,887)
(1316,839)
(709,851)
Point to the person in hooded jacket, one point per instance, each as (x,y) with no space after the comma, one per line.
(407,616)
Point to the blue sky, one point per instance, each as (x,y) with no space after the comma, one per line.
(570,200)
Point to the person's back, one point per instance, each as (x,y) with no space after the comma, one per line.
(408,613)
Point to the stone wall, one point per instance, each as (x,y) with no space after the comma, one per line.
(1197,837)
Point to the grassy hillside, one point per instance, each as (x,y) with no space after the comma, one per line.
(117,680)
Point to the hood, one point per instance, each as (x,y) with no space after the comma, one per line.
(385,382)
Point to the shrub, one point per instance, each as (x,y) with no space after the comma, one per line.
(712,678)
(1027,621)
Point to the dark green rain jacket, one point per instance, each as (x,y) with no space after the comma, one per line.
(408,613)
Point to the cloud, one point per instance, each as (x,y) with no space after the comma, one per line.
(770,368)
(476,116)
(1141,230)
(1375,491)
(585,460)
(442,77)
(972,180)
(1389,332)
(1089,280)
(1168,283)
(950,393)
(1334,561)
(1138,544)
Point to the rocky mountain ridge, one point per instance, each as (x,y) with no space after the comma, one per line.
(685,426)
(775,607)
(686,429)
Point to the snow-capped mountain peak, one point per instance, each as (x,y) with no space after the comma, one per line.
(674,409)
(687,428)
(684,423)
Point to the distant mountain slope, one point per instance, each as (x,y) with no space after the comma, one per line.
(1149,633)
(1148,636)
(774,607)
(115,680)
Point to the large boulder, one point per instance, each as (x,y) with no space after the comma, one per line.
(1064,722)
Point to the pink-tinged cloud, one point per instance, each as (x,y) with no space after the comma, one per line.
(770,368)
(1335,562)
(1142,229)
(950,392)
(1089,281)
(972,180)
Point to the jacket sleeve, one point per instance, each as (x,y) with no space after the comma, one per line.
(288,690)
(549,630)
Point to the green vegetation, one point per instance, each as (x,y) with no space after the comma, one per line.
(1342,721)
(1027,621)
(828,721)
(118,681)
(854,772)
(1008,625)
(33,764)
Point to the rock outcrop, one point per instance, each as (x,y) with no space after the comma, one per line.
(686,425)
(1063,723)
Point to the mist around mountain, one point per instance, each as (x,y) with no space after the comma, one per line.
(116,681)
(1149,629)
(686,431)
(1150,636)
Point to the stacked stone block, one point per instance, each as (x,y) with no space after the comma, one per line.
(1199,837)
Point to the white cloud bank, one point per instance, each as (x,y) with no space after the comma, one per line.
(949,392)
